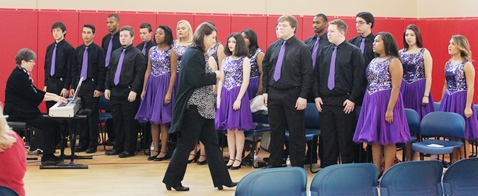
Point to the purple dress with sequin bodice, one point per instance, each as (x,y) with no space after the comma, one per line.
(255,75)
(152,106)
(371,125)
(226,117)
(454,99)
(414,82)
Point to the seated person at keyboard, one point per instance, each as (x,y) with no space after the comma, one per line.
(22,99)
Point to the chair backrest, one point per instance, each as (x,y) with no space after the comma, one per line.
(476,109)
(413,119)
(444,124)
(437,106)
(260,118)
(104,104)
(461,178)
(345,179)
(6,191)
(413,178)
(312,116)
(274,181)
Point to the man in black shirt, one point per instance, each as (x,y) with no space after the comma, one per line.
(145,35)
(90,61)
(59,59)
(123,87)
(287,79)
(338,83)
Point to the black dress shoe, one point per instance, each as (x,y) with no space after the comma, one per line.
(112,152)
(50,160)
(125,154)
(80,149)
(91,150)
(230,185)
(177,188)
(110,142)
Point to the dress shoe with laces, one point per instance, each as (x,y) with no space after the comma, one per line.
(50,160)
(91,150)
(177,188)
(125,154)
(80,149)
(230,185)
(113,152)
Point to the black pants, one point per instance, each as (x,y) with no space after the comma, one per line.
(50,129)
(126,127)
(337,132)
(196,127)
(283,115)
(54,85)
(89,127)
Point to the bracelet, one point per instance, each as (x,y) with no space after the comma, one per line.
(425,96)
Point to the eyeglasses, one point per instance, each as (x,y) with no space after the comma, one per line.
(31,61)
(360,22)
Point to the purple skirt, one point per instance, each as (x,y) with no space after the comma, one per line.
(456,103)
(152,106)
(253,86)
(229,119)
(371,125)
(412,94)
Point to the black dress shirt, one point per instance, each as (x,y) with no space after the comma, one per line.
(21,97)
(65,59)
(296,68)
(96,65)
(132,72)
(368,47)
(310,42)
(349,74)
(106,41)
(148,46)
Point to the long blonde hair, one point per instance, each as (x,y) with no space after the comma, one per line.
(190,30)
(6,140)
(463,45)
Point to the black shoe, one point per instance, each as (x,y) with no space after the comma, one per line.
(110,142)
(202,162)
(50,160)
(177,188)
(161,158)
(80,149)
(230,185)
(91,150)
(112,152)
(125,154)
(236,167)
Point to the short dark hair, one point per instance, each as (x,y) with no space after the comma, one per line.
(169,34)
(252,36)
(367,16)
(146,25)
(240,49)
(323,16)
(24,54)
(389,44)
(418,36)
(58,25)
(90,26)
(114,16)
(128,28)
(204,29)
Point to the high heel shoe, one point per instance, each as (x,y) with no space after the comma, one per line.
(177,188)
(150,158)
(202,162)
(230,185)
(194,158)
(229,166)
(236,167)
(161,158)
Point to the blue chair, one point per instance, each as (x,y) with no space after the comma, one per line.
(6,191)
(273,181)
(474,144)
(437,106)
(345,179)
(413,119)
(412,178)
(440,124)
(104,110)
(461,178)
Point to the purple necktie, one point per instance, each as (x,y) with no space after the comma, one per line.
(84,65)
(53,62)
(278,68)
(120,65)
(314,52)
(331,80)
(144,49)
(362,45)
(108,53)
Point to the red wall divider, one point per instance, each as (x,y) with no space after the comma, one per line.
(32,29)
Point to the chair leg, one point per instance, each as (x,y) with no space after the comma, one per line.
(313,146)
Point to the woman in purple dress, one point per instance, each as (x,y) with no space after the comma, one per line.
(459,88)
(382,121)
(233,111)
(255,56)
(158,97)
(217,51)
(417,73)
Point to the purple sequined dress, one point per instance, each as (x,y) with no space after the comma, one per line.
(454,99)
(152,106)
(371,125)
(255,75)
(414,82)
(226,117)
(180,50)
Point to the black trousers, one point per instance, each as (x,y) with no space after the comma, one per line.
(126,127)
(50,129)
(282,116)
(54,85)
(196,127)
(337,130)
(89,127)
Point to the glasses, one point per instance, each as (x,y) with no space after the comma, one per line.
(360,22)
(31,61)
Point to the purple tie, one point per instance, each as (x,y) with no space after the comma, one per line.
(120,65)
(331,80)
(314,52)
(362,45)
(53,62)
(84,65)
(144,49)
(278,68)
(108,53)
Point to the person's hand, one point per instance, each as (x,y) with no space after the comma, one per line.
(107,94)
(72,92)
(348,106)
(264,99)
(218,75)
(44,88)
(132,96)
(142,95)
(96,93)
(318,103)
(468,112)
(424,100)
(301,103)
(167,98)
(218,102)
(64,92)
(60,99)
(389,116)
(236,105)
